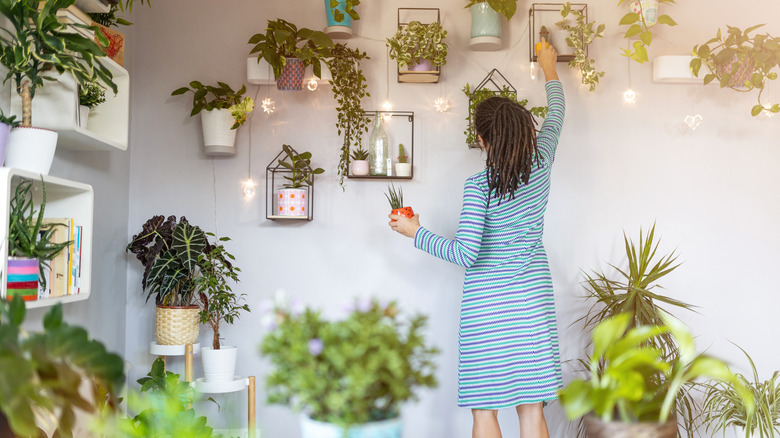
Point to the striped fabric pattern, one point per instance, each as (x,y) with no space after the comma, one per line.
(508,340)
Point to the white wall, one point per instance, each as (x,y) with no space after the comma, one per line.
(618,168)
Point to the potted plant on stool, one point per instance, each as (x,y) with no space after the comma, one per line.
(37,46)
(225,112)
(218,304)
(348,377)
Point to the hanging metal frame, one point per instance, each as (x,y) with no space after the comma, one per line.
(271,178)
(417,77)
(495,82)
(534,19)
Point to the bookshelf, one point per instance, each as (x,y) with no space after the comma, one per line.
(64,199)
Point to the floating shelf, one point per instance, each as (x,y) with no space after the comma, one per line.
(676,69)
(64,199)
(56,106)
(394,137)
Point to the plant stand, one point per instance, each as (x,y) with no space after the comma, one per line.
(163,351)
(237,384)
(396,135)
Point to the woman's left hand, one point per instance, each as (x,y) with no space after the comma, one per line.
(405,225)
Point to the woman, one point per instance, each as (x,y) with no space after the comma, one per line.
(508,340)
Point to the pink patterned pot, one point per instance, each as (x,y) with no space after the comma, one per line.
(740,69)
(292,202)
(292,75)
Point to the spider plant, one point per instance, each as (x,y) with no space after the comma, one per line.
(395,197)
(724,408)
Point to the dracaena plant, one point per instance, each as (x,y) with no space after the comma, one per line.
(638,27)
(417,42)
(507,8)
(741,62)
(283,40)
(581,34)
(209,97)
(299,166)
(37,42)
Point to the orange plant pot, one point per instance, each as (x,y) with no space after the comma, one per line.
(406,211)
(539,47)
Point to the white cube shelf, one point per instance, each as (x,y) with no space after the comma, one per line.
(64,199)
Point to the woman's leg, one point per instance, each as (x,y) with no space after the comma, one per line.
(485,424)
(532,424)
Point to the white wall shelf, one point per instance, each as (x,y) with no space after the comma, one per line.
(56,106)
(64,199)
(92,6)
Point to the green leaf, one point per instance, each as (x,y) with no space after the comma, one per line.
(665,19)
(630,18)
(179,91)
(646,37)
(709,78)
(756,110)
(632,31)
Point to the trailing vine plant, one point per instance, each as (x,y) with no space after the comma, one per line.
(581,34)
(349,89)
(638,27)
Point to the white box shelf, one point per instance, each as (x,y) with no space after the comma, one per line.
(92,6)
(56,107)
(64,199)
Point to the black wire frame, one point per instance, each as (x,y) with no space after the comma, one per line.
(406,73)
(495,82)
(410,117)
(271,172)
(541,8)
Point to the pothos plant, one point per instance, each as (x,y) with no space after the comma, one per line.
(740,62)
(349,89)
(283,40)
(478,96)
(581,34)
(300,167)
(507,8)
(417,42)
(639,27)
(349,9)
(209,97)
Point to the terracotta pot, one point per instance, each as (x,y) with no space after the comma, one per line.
(406,211)
(595,428)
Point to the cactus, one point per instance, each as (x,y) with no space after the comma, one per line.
(402,158)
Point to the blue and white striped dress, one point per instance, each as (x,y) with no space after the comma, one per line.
(508,341)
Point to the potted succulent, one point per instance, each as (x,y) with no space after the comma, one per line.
(485,23)
(396,200)
(480,95)
(226,110)
(6,124)
(349,375)
(349,88)
(633,387)
(724,406)
(580,35)
(643,16)
(90,96)
(289,50)
(170,252)
(35,45)
(30,243)
(292,198)
(403,167)
(42,371)
(340,14)
(360,162)
(419,47)
(740,61)
(219,304)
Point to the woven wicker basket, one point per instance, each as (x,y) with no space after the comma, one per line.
(177,325)
(596,428)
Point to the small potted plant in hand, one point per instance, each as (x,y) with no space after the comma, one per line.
(226,110)
(396,199)
(360,162)
(291,199)
(403,167)
(90,96)
(218,304)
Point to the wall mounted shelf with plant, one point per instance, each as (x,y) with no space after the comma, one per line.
(289,182)
(418,46)
(398,133)
(545,20)
(581,34)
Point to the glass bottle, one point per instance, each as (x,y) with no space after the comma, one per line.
(378,148)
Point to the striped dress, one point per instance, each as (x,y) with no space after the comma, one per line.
(508,340)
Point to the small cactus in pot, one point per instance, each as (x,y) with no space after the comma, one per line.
(396,199)
(360,162)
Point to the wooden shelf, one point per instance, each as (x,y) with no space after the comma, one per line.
(64,199)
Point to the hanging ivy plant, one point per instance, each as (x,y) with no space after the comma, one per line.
(638,26)
(581,34)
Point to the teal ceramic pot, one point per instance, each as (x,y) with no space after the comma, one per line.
(378,429)
(332,21)
(485,22)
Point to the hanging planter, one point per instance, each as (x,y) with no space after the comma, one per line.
(291,199)
(338,29)
(485,28)
(219,138)
(31,149)
(419,48)
(292,75)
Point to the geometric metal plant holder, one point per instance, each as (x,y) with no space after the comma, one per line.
(408,140)
(404,17)
(494,83)
(275,174)
(548,14)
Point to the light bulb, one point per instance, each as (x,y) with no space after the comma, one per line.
(269,105)
(629,96)
(248,189)
(387,106)
(533,70)
(767,112)
(441,104)
(313,84)
(693,121)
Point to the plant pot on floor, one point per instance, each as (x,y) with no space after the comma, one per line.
(83,116)
(360,167)
(219,365)
(292,202)
(595,428)
(485,28)
(31,149)
(292,75)
(177,325)
(22,278)
(377,429)
(218,139)
(336,29)
(403,169)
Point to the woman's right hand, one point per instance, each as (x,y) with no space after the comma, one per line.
(548,59)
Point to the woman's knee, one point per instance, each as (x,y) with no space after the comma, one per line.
(484,414)
(529,410)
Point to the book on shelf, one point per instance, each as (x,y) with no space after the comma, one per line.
(64,272)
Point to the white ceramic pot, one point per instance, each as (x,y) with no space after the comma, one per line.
(403,169)
(219,365)
(378,429)
(83,116)
(31,149)
(292,202)
(218,139)
(360,167)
